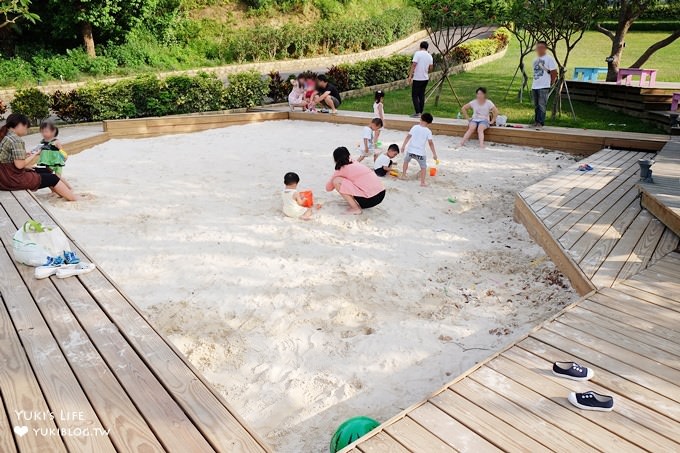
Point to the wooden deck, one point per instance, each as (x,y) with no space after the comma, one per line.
(80,350)
(626,263)
(662,198)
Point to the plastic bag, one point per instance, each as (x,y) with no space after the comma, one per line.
(33,243)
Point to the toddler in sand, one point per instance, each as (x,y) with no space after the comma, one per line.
(383,164)
(292,201)
(296,98)
(418,137)
(368,139)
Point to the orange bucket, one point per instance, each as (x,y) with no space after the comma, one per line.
(433,171)
(307,198)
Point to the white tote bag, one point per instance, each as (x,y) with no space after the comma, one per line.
(33,243)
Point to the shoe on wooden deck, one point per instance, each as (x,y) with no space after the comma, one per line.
(572,370)
(591,401)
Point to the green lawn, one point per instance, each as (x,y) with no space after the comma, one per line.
(496,77)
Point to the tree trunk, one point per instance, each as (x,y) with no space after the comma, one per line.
(88,39)
(445,74)
(618,43)
(654,47)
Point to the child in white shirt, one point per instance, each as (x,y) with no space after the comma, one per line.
(292,201)
(383,163)
(379,112)
(368,139)
(418,137)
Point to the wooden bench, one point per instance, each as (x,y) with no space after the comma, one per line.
(589,73)
(674,102)
(628,74)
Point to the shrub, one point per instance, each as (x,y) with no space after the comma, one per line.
(502,37)
(245,89)
(15,71)
(474,50)
(339,76)
(56,67)
(33,103)
(201,93)
(278,88)
(647,25)
(70,106)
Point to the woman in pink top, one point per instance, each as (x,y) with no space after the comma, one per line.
(358,184)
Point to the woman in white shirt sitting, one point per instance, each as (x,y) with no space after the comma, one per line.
(484,114)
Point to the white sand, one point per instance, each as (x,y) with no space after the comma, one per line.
(304,324)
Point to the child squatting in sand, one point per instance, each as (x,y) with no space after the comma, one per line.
(292,201)
(419,136)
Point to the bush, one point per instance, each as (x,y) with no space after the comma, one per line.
(15,71)
(278,88)
(339,76)
(502,37)
(647,25)
(474,50)
(670,11)
(33,103)
(201,93)
(71,107)
(245,89)
(55,67)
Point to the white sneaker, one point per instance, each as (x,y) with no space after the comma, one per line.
(75,269)
(50,268)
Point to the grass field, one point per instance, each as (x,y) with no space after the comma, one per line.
(496,77)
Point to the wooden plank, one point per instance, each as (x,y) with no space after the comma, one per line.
(6,437)
(416,438)
(450,430)
(640,335)
(643,251)
(650,312)
(655,425)
(77,146)
(621,252)
(218,424)
(662,212)
(526,421)
(550,405)
(20,390)
(590,228)
(630,291)
(577,206)
(524,215)
(595,305)
(381,443)
(585,184)
(645,364)
(594,249)
(612,381)
(657,282)
(547,185)
(630,343)
(602,360)
(484,423)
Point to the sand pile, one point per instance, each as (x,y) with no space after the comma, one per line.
(304,324)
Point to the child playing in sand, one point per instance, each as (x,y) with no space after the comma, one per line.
(419,136)
(292,201)
(310,94)
(379,112)
(296,98)
(368,139)
(382,165)
(52,154)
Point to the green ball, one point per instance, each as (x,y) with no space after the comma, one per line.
(350,431)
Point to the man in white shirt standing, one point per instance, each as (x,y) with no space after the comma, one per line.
(418,76)
(545,74)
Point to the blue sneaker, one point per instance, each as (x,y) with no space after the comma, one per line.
(71,258)
(49,268)
(572,370)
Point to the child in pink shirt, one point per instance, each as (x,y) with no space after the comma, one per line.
(356,183)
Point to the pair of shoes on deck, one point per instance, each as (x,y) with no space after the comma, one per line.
(65,266)
(590,400)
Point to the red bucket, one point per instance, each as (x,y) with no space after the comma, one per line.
(307,198)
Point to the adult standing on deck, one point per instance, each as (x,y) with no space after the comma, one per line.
(419,76)
(545,74)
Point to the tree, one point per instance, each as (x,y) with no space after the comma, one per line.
(87,17)
(521,21)
(13,10)
(628,12)
(450,23)
(562,24)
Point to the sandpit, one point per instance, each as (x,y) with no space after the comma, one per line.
(304,324)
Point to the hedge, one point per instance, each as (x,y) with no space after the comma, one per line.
(150,96)
(324,37)
(384,70)
(670,11)
(647,25)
